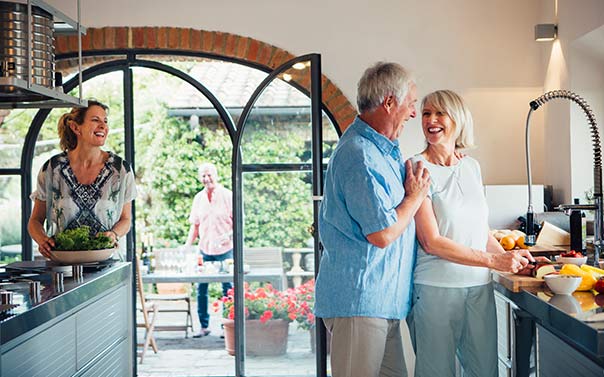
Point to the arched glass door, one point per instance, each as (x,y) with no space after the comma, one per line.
(274,317)
(276,177)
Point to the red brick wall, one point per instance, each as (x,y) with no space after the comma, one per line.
(214,42)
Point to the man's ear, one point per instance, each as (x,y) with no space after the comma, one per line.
(388,103)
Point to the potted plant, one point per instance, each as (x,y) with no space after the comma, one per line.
(305,304)
(268,313)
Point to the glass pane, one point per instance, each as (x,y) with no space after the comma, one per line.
(278,128)
(330,138)
(170,145)
(279,256)
(231,83)
(278,247)
(171,141)
(14,125)
(10,221)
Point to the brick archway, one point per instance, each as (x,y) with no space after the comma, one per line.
(211,42)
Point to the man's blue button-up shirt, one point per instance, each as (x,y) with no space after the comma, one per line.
(363,186)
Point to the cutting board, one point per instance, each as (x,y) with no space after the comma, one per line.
(539,250)
(516,283)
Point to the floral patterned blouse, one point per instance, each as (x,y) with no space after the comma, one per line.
(70,204)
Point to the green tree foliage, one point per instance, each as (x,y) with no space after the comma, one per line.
(277,206)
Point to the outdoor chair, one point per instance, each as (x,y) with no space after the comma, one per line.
(172,292)
(149,310)
(265,257)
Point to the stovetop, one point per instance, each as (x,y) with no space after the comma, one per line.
(17,277)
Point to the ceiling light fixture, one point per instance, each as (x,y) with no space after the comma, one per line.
(299,66)
(546,32)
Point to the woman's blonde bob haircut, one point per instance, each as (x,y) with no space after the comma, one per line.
(449,102)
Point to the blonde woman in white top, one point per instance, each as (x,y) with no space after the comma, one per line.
(453,304)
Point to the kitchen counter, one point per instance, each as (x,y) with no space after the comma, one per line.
(576,322)
(29,315)
(79,330)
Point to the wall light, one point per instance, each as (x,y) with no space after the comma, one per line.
(546,32)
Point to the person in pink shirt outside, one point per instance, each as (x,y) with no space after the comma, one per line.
(212,222)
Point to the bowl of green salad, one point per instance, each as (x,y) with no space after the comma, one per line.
(78,245)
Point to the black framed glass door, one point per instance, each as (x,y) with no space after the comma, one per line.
(293,171)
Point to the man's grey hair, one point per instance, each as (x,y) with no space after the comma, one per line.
(208,166)
(379,81)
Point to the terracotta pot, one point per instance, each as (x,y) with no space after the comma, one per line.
(262,339)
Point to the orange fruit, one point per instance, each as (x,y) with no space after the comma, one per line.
(508,242)
(520,243)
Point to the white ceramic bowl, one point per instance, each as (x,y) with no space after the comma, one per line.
(77,257)
(562,284)
(567,260)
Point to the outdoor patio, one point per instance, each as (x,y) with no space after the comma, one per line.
(207,356)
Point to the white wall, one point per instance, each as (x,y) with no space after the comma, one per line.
(568,150)
(484,49)
(587,79)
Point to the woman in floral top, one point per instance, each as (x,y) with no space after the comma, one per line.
(83,185)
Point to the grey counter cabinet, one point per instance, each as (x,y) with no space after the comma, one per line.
(541,338)
(505,335)
(93,338)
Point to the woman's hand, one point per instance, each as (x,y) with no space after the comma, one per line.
(531,266)
(45,246)
(111,234)
(508,262)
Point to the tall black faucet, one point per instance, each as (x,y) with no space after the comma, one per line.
(595,137)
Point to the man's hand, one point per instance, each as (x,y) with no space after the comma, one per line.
(459,154)
(417,183)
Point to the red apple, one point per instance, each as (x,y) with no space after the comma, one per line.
(599,299)
(599,286)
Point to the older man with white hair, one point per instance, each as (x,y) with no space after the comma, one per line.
(211,221)
(364,285)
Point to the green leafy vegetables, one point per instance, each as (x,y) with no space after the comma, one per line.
(81,239)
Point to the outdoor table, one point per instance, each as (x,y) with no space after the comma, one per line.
(272,275)
(10,250)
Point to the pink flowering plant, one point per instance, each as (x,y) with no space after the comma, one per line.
(261,302)
(266,302)
(305,303)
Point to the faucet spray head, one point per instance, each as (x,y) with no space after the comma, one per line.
(530,238)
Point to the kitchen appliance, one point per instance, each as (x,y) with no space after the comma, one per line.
(27,58)
(26,284)
(597,157)
(15,39)
(577,236)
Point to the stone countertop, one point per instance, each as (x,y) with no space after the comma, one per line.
(29,314)
(578,318)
